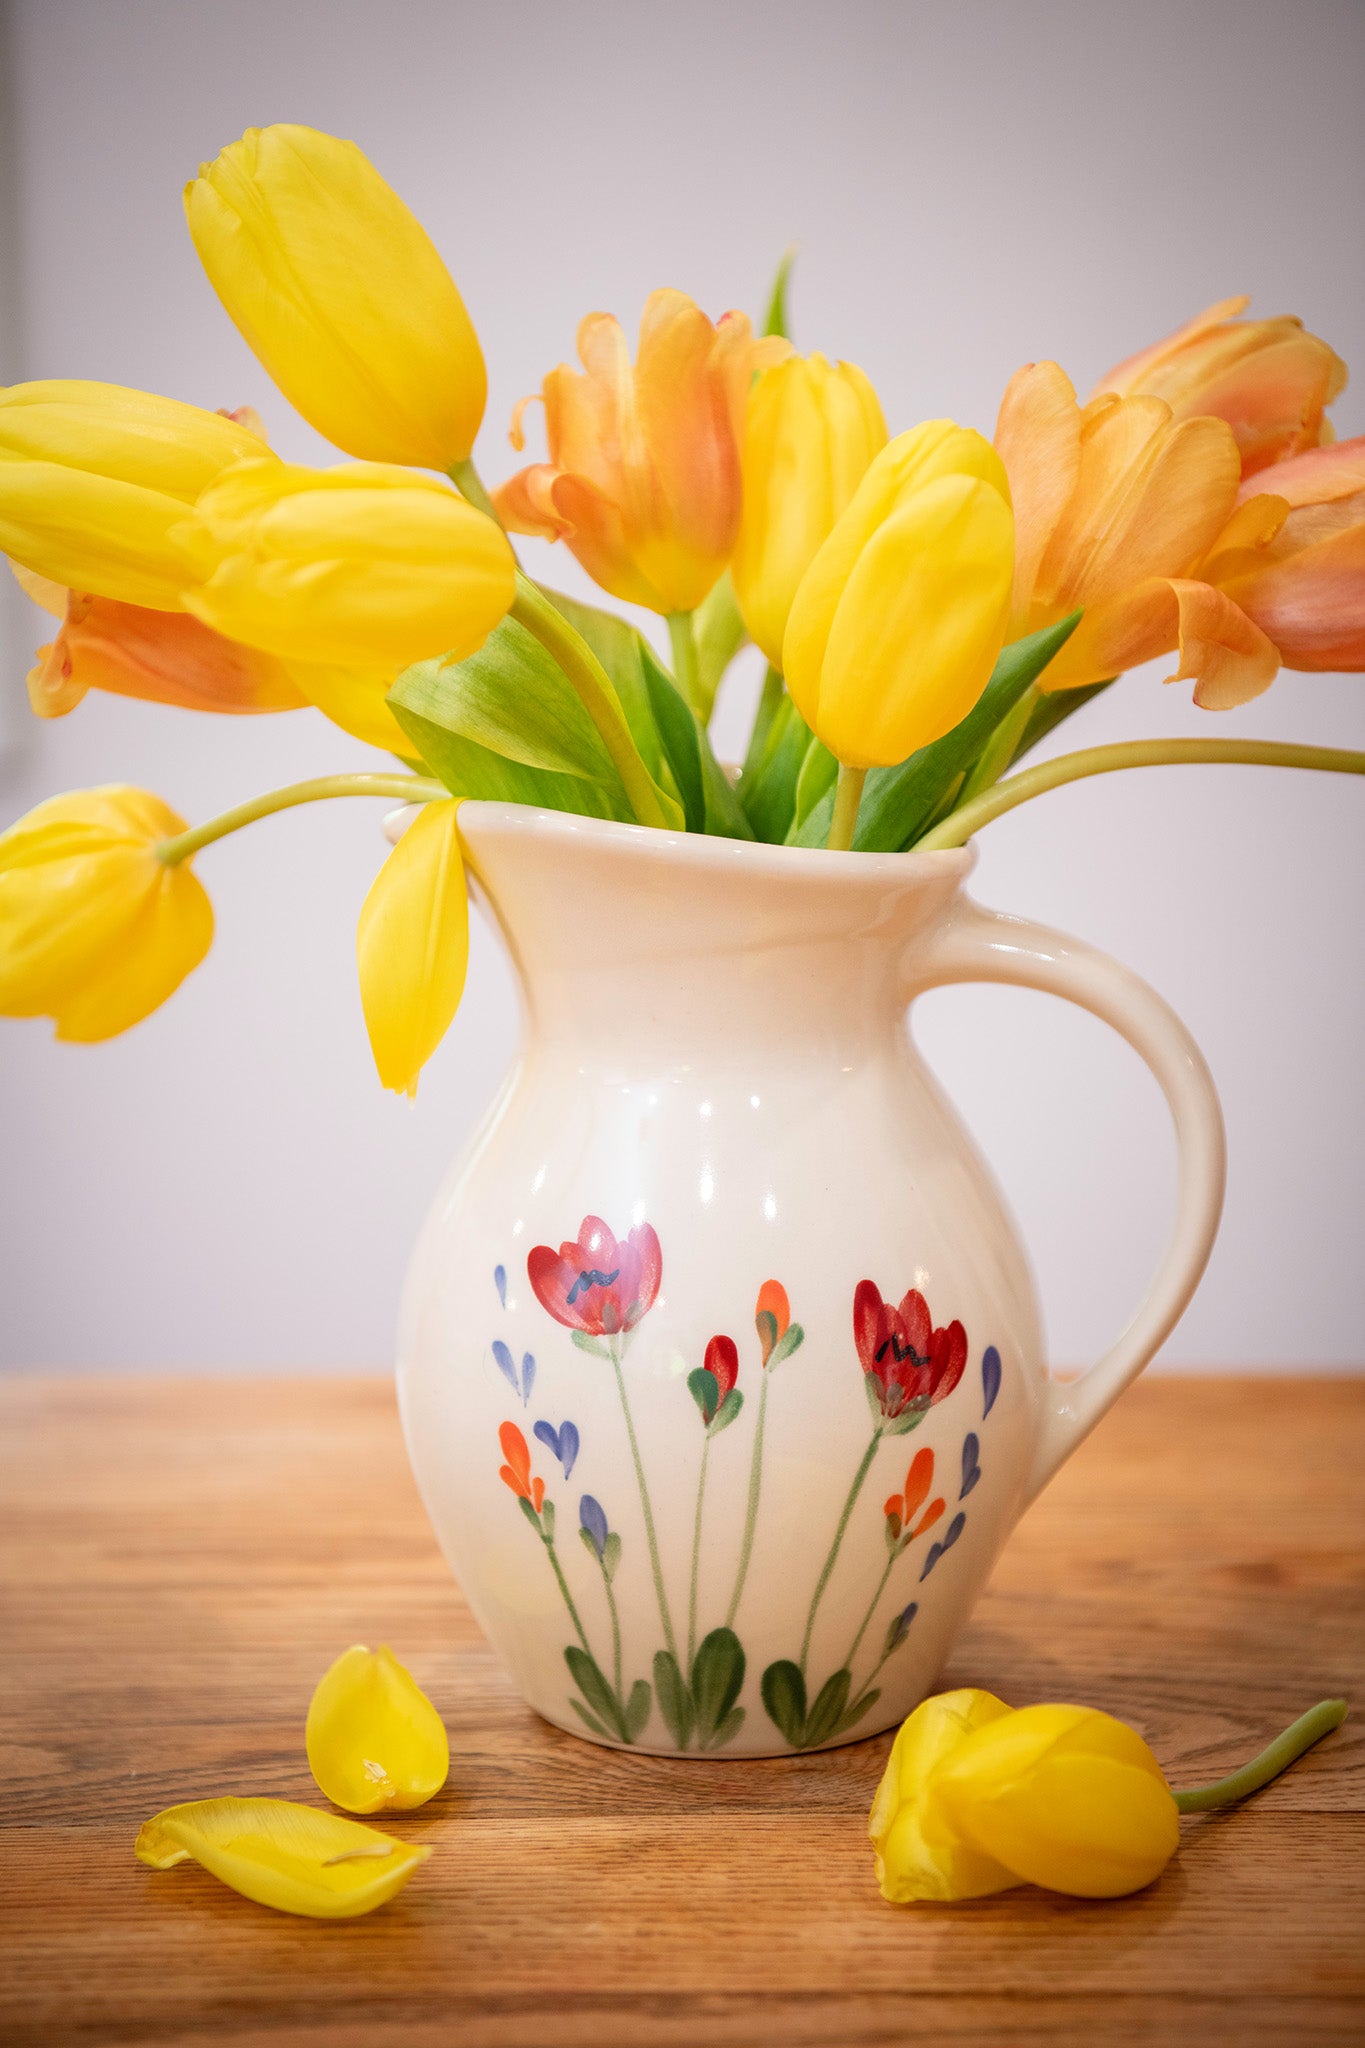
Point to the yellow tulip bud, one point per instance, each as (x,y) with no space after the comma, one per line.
(365,566)
(412,946)
(294,1858)
(1065,1797)
(811,430)
(920,1854)
(95,481)
(341,294)
(374,1739)
(95,931)
(897,623)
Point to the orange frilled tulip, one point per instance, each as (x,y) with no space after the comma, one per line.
(1269,379)
(643,480)
(1303,585)
(1118,505)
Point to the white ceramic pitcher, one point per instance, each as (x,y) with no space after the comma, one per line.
(719,1362)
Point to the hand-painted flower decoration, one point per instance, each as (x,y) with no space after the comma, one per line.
(909,1365)
(597,1284)
(516,1473)
(778,1335)
(714,1384)
(902,1508)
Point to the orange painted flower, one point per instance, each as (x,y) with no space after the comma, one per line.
(1269,379)
(1302,582)
(901,1509)
(516,1473)
(643,481)
(1118,505)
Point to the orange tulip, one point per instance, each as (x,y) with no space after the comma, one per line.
(1302,582)
(167,657)
(1269,379)
(643,480)
(1117,505)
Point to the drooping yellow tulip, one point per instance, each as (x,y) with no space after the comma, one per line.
(365,565)
(95,931)
(412,946)
(1117,506)
(1065,1797)
(897,622)
(920,1855)
(294,1858)
(339,291)
(811,430)
(96,480)
(1269,379)
(374,1739)
(643,481)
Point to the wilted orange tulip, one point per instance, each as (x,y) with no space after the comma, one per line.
(1117,505)
(643,480)
(167,657)
(1269,379)
(1304,584)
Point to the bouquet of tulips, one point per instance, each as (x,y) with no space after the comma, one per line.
(930,604)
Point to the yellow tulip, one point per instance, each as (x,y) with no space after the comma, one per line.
(365,566)
(920,1855)
(811,430)
(294,1858)
(95,931)
(1064,1797)
(412,946)
(374,1739)
(95,482)
(339,291)
(897,623)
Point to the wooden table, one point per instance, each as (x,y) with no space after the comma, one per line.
(182,1558)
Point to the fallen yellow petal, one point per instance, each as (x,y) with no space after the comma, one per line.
(374,1739)
(294,1858)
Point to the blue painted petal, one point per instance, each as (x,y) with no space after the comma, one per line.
(505,1365)
(903,1621)
(935,1553)
(990,1379)
(955,1528)
(528,1376)
(971,1463)
(568,1447)
(593,1518)
(500,1282)
(549,1436)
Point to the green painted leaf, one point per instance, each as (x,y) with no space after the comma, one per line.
(765,1322)
(547,1520)
(784,1698)
(637,1709)
(899,802)
(791,1340)
(586,1540)
(607,1734)
(704,1388)
(717,1680)
(728,1411)
(719,633)
(872,1388)
(854,1714)
(728,1729)
(675,1701)
(532,1517)
(908,1419)
(594,1687)
(594,1345)
(830,1702)
(611,1555)
(469,770)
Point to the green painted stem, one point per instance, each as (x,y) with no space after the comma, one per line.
(848,794)
(993,803)
(615,1637)
(872,1608)
(548,1541)
(696,1557)
(751,1512)
(1283,1751)
(684,639)
(407,789)
(653,1541)
(596,693)
(868,1455)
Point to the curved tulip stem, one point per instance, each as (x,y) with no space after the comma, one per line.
(1283,1751)
(684,642)
(848,795)
(407,789)
(470,485)
(868,1455)
(751,1511)
(656,1564)
(696,1555)
(958,828)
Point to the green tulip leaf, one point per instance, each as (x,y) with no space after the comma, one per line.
(719,633)
(768,796)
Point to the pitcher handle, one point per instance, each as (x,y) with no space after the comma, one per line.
(975,944)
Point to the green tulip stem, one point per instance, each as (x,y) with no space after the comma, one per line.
(596,693)
(405,789)
(771,695)
(751,1511)
(848,795)
(696,1556)
(684,639)
(957,829)
(469,484)
(1001,748)
(1283,1751)
(868,1455)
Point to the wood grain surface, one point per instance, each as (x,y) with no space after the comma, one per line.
(182,1558)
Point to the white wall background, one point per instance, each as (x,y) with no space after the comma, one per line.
(973,185)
